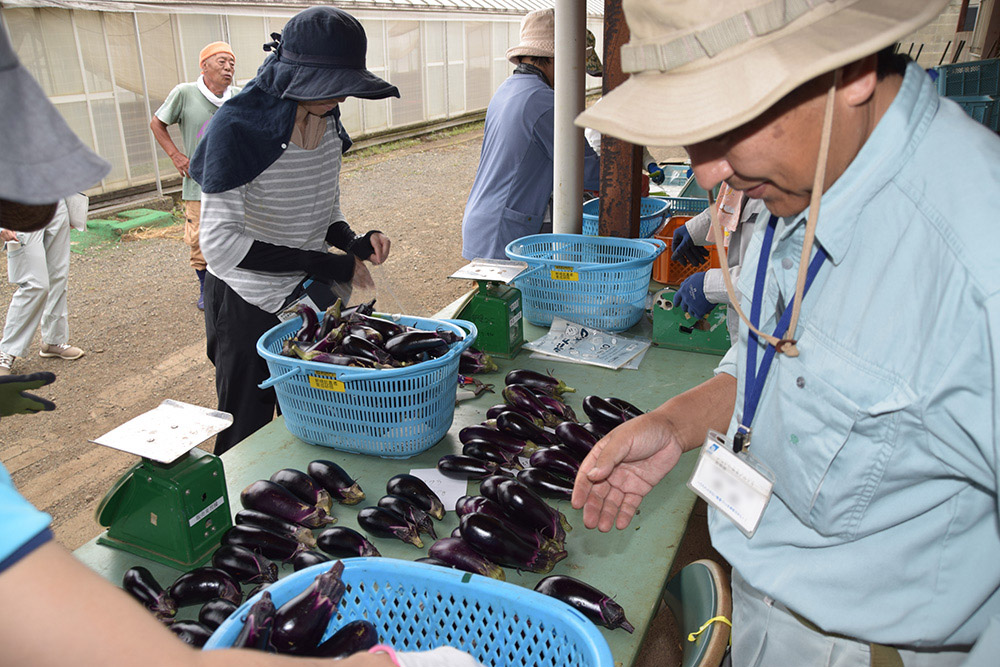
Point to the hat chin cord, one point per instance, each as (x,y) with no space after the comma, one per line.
(787,343)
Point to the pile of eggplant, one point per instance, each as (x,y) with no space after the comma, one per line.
(534,435)
(404,512)
(356,337)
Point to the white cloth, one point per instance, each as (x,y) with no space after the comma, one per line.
(445,656)
(217,100)
(39,266)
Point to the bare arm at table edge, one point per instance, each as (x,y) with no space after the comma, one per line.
(626,464)
(56,611)
(162,137)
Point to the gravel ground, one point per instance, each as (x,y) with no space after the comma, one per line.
(132,308)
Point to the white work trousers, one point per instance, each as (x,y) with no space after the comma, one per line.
(39,268)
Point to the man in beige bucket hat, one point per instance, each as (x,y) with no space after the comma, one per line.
(854,490)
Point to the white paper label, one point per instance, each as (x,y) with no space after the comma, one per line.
(448,489)
(205,512)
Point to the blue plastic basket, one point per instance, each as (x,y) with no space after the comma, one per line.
(684,206)
(596,281)
(393,413)
(651,212)
(417,607)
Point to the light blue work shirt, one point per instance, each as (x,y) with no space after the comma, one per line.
(23,527)
(513,183)
(883,434)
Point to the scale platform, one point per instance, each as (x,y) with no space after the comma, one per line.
(172,506)
(495,308)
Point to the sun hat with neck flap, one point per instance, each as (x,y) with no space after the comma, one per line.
(319,55)
(700,68)
(538,36)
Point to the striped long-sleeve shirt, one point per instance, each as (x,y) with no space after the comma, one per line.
(292,203)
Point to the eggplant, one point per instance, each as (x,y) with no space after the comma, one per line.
(489,487)
(521,398)
(521,427)
(305,559)
(557,460)
(303,487)
(366,308)
(350,638)
(417,492)
(483,505)
(409,344)
(476,361)
(264,542)
(276,525)
(484,450)
(344,542)
(331,319)
(625,407)
(270,498)
(338,359)
(577,439)
(586,599)
(556,407)
(191,632)
(336,481)
(497,541)
(214,612)
(494,411)
(506,441)
(545,483)
(384,523)
(300,623)
(327,342)
(467,467)
(361,347)
(536,380)
(456,532)
(258,625)
(404,508)
(457,553)
(518,500)
(364,331)
(310,323)
(597,430)
(140,584)
(385,327)
(605,413)
(245,566)
(430,560)
(203,584)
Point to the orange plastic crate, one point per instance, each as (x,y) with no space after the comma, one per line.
(673,273)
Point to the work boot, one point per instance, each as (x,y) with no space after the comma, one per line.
(6,361)
(201,296)
(62,351)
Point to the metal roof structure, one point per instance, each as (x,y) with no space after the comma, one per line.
(594,7)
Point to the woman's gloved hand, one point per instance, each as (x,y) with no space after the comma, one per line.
(683,249)
(655,173)
(690,296)
(14,396)
(444,656)
(373,246)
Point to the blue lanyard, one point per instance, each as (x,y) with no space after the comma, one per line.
(755,380)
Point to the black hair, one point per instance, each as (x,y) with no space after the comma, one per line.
(889,61)
(537,60)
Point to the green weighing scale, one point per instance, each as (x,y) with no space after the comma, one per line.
(675,329)
(495,307)
(172,507)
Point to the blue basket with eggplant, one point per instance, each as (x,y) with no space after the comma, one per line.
(418,607)
(393,412)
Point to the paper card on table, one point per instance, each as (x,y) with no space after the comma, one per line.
(448,489)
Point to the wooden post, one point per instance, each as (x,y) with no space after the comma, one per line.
(621,162)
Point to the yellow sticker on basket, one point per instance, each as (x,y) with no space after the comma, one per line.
(564,273)
(326,381)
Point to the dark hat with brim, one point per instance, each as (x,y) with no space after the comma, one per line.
(41,159)
(320,55)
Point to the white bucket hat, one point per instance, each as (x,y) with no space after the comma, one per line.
(700,68)
(538,36)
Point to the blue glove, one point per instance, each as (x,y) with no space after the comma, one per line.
(684,250)
(690,296)
(655,173)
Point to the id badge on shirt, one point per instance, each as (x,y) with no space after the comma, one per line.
(737,485)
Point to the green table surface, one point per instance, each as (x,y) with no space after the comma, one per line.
(630,565)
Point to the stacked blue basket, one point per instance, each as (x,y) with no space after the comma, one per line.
(393,413)
(417,607)
(597,281)
(651,213)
